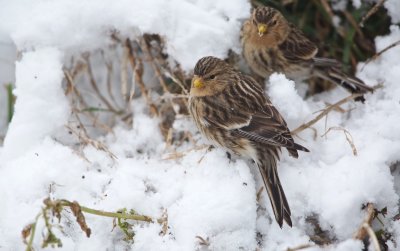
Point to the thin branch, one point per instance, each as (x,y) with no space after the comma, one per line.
(372,236)
(151,59)
(361,232)
(109,214)
(349,138)
(95,87)
(138,71)
(378,54)
(372,11)
(325,112)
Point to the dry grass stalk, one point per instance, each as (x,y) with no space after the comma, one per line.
(365,229)
(325,112)
(86,140)
(151,59)
(329,11)
(109,67)
(349,138)
(137,66)
(378,54)
(175,79)
(178,155)
(73,90)
(93,83)
(202,241)
(372,11)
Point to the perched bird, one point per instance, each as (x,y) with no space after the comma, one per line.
(231,110)
(272,44)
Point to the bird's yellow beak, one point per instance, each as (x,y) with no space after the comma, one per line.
(197,82)
(262,28)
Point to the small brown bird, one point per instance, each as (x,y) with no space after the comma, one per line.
(231,110)
(272,44)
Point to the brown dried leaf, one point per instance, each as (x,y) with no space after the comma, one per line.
(80,218)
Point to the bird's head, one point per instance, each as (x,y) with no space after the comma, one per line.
(269,24)
(211,76)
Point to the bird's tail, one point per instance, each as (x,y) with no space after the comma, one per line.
(329,70)
(268,169)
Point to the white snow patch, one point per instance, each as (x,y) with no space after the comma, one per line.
(192,29)
(41,107)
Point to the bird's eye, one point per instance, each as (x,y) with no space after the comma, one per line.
(273,22)
(254,22)
(212,76)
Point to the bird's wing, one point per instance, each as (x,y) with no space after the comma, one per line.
(297,46)
(251,115)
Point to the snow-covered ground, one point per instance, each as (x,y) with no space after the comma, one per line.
(204,193)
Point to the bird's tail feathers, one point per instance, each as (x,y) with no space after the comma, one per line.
(293,151)
(335,75)
(280,206)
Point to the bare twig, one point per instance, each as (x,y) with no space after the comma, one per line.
(151,59)
(361,232)
(72,86)
(372,236)
(378,54)
(349,138)
(178,155)
(175,79)
(329,11)
(109,67)
(138,71)
(83,137)
(95,87)
(325,112)
(202,241)
(372,11)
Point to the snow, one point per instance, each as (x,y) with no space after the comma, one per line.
(203,193)
(393,7)
(43,112)
(185,24)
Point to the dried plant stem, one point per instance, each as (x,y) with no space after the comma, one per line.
(328,10)
(32,233)
(70,80)
(372,236)
(378,54)
(372,11)
(109,67)
(365,228)
(95,87)
(87,140)
(178,155)
(349,138)
(325,112)
(151,59)
(66,203)
(361,232)
(138,71)
(175,79)
(54,207)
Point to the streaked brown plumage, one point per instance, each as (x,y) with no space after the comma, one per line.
(272,44)
(231,110)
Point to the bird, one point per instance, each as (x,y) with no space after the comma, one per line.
(231,110)
(272,44)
